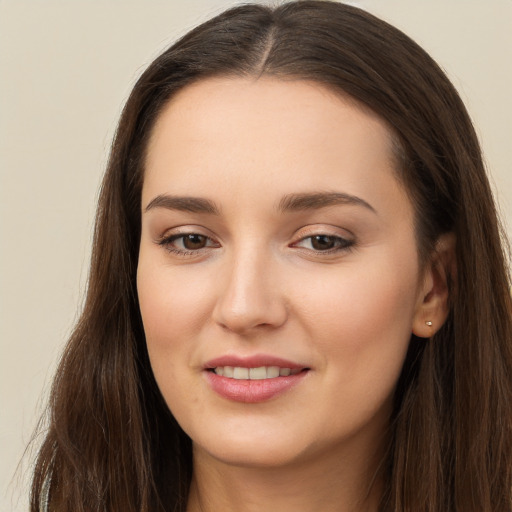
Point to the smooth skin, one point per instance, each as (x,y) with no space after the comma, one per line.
(273,223)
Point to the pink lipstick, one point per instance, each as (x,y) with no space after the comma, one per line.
(252,379)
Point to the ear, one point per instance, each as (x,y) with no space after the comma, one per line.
(433,302)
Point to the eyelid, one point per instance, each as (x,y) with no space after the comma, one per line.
(183,230)
(323,229)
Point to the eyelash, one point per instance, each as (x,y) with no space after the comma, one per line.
(341,244)
(167,242)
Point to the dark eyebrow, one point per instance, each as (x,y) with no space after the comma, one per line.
(184,203)
(317,200)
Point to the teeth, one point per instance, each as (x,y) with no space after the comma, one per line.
(240,373)
(260,373)
(272,371)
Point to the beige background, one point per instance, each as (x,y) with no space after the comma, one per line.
(65,69)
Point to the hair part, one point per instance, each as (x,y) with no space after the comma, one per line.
(112,443)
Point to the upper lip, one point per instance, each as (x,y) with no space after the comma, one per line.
(254,361)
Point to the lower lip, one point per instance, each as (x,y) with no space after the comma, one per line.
(252,391)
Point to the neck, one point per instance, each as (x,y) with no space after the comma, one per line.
(331,483)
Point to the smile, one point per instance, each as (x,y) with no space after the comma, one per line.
(259,373)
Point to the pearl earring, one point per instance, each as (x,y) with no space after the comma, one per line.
(429,323)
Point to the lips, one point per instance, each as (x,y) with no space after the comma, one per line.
(254,379)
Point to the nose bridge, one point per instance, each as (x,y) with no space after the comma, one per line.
(250,295)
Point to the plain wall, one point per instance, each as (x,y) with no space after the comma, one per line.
(65,69)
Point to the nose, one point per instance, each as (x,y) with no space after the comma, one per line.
(250,297)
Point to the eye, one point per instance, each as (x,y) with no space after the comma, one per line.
(187,243)
(192,241)
(324,243)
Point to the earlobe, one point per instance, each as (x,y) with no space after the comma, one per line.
(434,301)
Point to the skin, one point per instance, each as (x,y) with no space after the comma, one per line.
(256,282)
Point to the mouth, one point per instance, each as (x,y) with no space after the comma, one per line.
(255,373)
(253,379)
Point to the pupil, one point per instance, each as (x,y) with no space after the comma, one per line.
(322,242)
(194,241)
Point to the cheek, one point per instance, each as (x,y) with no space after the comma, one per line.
(175,305)
(171,303)
(362,319)
(170,309)
(361,328)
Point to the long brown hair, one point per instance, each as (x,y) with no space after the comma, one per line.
(113,445)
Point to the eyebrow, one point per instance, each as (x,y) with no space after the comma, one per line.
(317,200)
(289,203)
(184,204)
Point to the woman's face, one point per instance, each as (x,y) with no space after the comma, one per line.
(276,240)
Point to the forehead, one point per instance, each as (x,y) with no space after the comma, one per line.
(266,135)
(248,104)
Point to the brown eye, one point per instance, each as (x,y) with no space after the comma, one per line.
(194,241)
(187,243)
(323,242)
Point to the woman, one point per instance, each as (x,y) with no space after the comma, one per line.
(298,297)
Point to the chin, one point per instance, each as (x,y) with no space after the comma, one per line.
(251,456)
(253,449)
